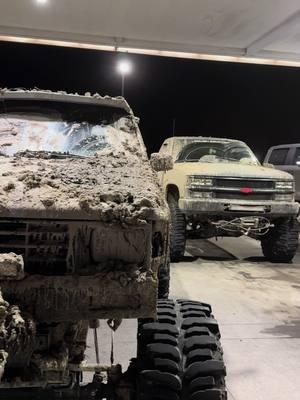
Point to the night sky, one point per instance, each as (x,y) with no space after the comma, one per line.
(257,104)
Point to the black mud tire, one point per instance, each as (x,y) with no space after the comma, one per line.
(180,355)
(280,244)
(164,280)
(177,230)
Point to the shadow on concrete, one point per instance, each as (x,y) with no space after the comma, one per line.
(290,329)
(189,259)
(205,250)
(256,259)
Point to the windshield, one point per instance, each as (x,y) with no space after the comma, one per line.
(212,152)
(77,129)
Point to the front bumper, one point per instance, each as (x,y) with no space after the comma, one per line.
(81,270)
(117,294)
(270,209)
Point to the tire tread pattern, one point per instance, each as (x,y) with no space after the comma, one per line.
(195,363)
(281,242)
(177,231)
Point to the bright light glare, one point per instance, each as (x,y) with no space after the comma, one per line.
(124,67)
(42,1)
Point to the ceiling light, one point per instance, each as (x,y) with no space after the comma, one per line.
(124,67)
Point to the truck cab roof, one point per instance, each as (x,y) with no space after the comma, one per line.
(173,145)
(61,96)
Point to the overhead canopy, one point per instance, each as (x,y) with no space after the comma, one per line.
(259,31)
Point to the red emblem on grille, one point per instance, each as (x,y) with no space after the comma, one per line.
(246,190)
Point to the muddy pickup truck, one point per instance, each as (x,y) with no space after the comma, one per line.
(84,237)
(217,187)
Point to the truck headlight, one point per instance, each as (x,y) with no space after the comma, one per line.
(201,195)
(284,197)
(284,185)
(196,182)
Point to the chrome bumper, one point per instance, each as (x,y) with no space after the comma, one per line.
(271,209)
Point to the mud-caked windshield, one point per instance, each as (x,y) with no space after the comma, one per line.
(79,129)
(217,152)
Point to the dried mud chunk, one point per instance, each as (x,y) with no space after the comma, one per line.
(161,162)
(31,181)
(11,266)
(3,359)
(112,197)
(9,187)
(113,186)
(144,212)
(108,214)
(85,203)
(144,202)
(52,183)
(3,311)
(48,202)
(124,280)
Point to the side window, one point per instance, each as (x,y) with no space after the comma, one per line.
(278,156)
(297,157)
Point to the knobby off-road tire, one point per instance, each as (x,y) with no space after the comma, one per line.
(180,356)
(177,230)
(281,242)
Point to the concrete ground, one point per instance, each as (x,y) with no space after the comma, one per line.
(257,305)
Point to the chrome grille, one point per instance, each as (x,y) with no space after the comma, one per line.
(240,183)
(43,245)
(241,196)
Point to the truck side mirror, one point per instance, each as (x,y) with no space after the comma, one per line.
(268,165)
(161,162)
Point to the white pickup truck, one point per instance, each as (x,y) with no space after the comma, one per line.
(217,187)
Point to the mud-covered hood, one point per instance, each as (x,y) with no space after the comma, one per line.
(231,170)
(106,188)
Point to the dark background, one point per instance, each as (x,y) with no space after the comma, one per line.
(257,104)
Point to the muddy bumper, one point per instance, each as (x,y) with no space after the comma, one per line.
(105,295)
(270,209)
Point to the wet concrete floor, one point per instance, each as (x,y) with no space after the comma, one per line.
(257,305)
